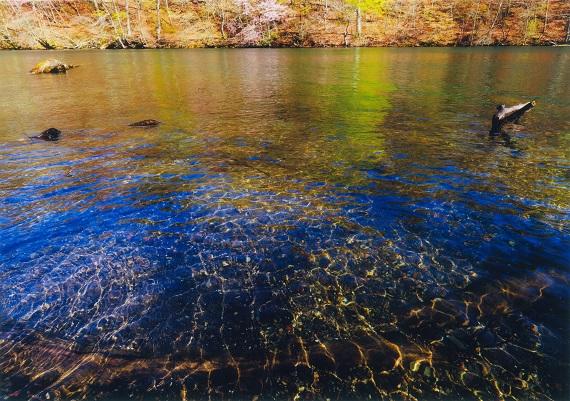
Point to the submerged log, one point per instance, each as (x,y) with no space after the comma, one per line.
(51,66)
(506,115)
(145,123)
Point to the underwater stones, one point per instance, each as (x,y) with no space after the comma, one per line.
(472,380)
(457,343)
(304,372)
(382,358)
(198,382)
(501,358)
(51,66)
(283,372)
(46,379)
(228,329)
(322,360)
(486,338)
(346,355)
(224,376)
(252,379)
(145,123)
(274,314)
(324,262)
(388,381)
(348,281)
(323,277)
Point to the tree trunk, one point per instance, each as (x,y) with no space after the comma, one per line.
(119,21)
(129,32)
(109,14)
(139,21)
(474,29)
(414,7)
(546,17)
(158,27)
(358,22)
(168,12)
(490,32)
(223,15)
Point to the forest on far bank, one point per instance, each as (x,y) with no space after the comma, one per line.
(69,24)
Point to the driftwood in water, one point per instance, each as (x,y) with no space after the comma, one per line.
(506,115)
(145,123)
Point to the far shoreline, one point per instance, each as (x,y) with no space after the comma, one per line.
(439,46)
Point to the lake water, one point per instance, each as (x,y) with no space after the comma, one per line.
(305,224)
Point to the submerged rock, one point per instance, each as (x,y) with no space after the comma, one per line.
(145,123)
(50,134)
(51,66)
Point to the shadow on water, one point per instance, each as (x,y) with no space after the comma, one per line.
(304,224)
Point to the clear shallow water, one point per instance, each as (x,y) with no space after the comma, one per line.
(305,223)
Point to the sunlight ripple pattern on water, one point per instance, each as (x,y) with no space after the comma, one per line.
(304,224)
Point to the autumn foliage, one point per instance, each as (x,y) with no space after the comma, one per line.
(209,23)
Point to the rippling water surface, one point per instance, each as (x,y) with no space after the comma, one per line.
(307,224)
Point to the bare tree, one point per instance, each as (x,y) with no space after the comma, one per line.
(490,32)
(158,25)
(168,12)
(129,32)
(139,20)
(358,22)
(546,16)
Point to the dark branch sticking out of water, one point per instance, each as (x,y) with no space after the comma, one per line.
(505,115)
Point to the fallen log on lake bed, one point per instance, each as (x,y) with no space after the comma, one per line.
(506,115)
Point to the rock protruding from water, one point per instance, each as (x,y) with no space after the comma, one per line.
(51,66)
(50,134)
(506,115)
(145,123)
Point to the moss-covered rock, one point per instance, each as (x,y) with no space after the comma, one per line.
(51,66)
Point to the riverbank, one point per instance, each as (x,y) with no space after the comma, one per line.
(82,24)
